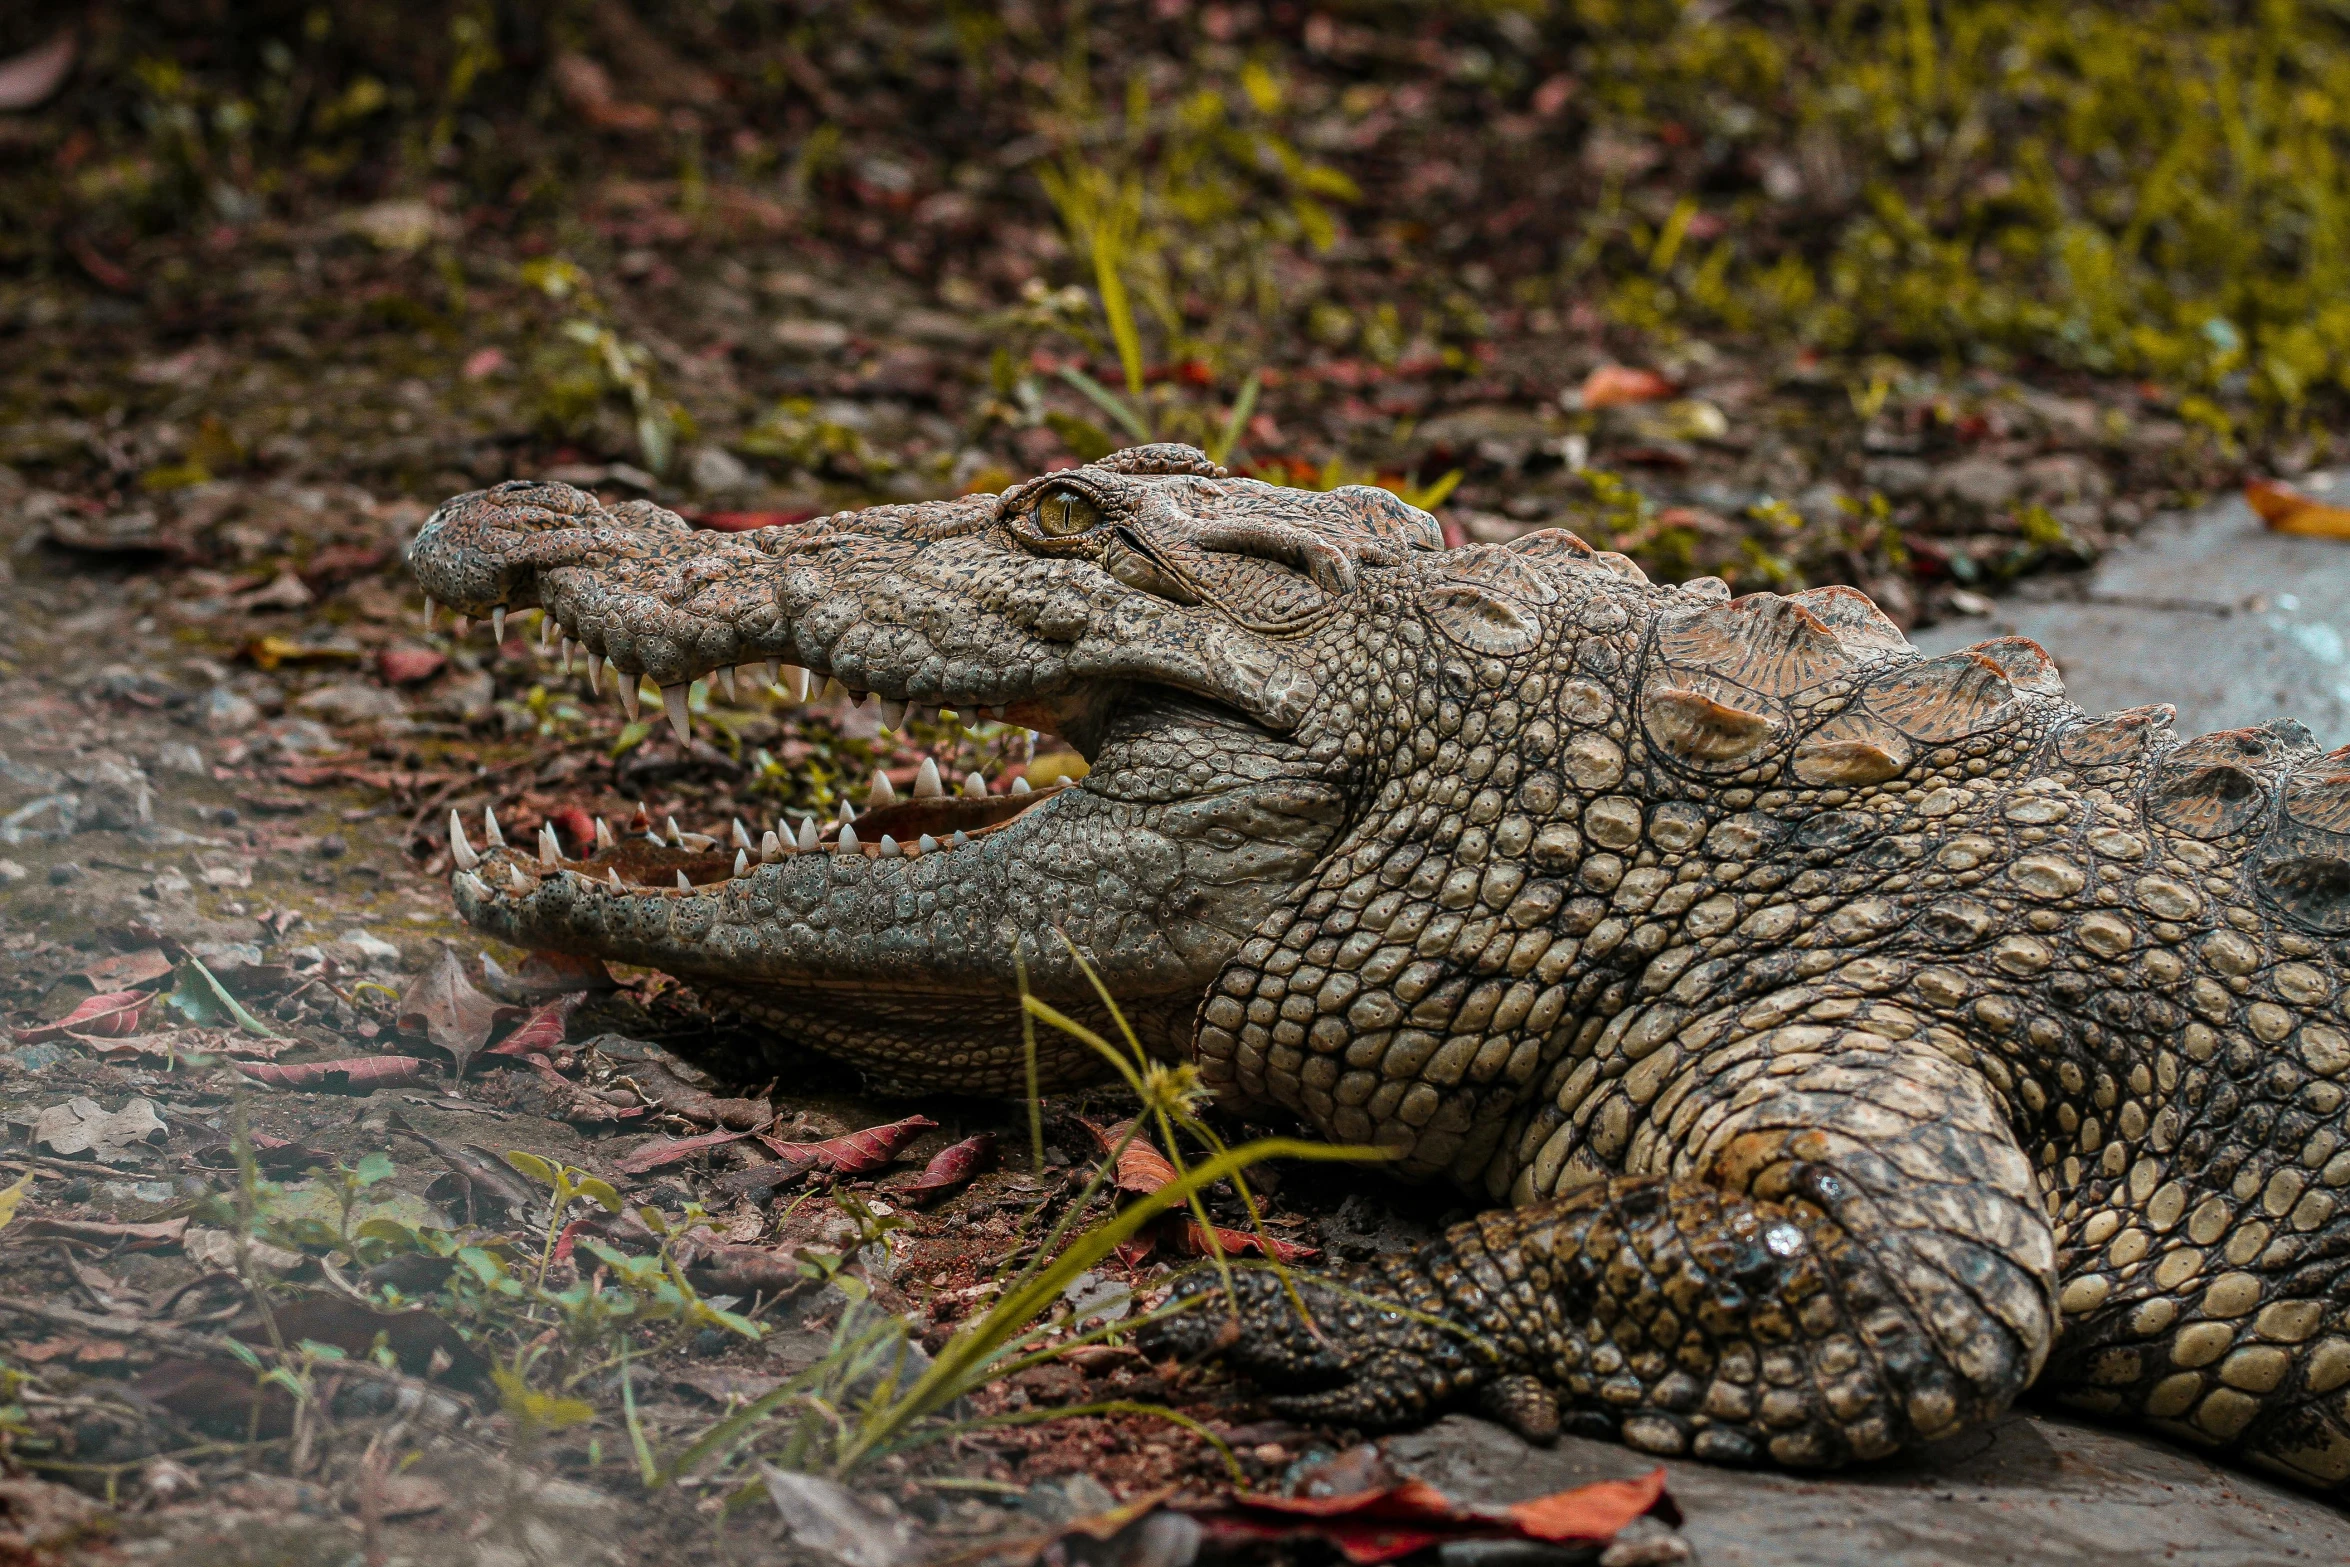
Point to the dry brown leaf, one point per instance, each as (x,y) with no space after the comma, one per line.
(444,1007)
(2287,510)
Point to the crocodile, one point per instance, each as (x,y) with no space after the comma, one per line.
(1840,1040)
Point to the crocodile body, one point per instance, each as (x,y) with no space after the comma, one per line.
(1846,1038)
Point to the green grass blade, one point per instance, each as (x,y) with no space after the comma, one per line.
(1236,423)
(1108,402)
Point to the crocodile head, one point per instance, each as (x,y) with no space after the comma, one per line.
(1195,636)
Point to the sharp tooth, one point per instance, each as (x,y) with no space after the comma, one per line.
(669,828)
(878,793)
(546,631)
(959,839)
(796,682)
(682,884)
(1020,786)
(742,863)
(473,885)
(926,843)
(673,700)
(770,848)
(459,627)
(498,627)
(807,838)
(889,847)
(893,715)
(616,881)
(726,683)
(630,697)
(489,828)
(926,784)
(654,837)
(516,882)
(550,851)
(429,607)
(604,834)
(459,849)
(848,812)
(563,653)
(848,838)
(975,786)
(774,669)
(833,689)
(595,663)
(742,836)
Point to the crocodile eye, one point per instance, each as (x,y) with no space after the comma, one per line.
(1065,513)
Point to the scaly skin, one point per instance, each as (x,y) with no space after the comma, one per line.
(1856,1036)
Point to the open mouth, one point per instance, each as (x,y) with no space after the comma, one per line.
(668,860)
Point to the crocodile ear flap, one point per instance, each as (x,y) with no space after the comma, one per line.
(1483,621)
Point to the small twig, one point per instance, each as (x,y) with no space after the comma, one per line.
(455,787)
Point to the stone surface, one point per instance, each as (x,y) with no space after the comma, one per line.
(2208,611)
(2031,1488)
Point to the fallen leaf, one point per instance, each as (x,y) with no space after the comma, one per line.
(854,1153)
(2287,510)
(1142,1169)
(115,1013)
(128,970)
(11,1196)
(1610,385)
(1391,1522)
(406,666)
(541,1033)
(828,1520)
(27,80)
(202,999)
(349,1075)
(443,1006)
(659,1086)
(79,1126)
(1190,1239)
(156,1236)
(180,1043)
(545,974)
(949,1169)
(217,1250)
(654,1155)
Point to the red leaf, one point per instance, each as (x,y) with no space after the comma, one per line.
(1612,384)
(580,828)
(405,666)
(541,1033)
(949,1168)
(128,969)
(854,1153)
(1190,1239)
(109,1016)
(1142,1169)
(444,1007)
(654,1155)
(745,521)
(1392,1522)
(352,1074)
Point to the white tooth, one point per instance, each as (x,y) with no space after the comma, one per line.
(429,607)
(546,631)
(774,669)
(563,653)
(959,839)
(770,848)
(682,884)
(669,827)
(460,626)
(630,697)
(878,793)
(460,850)
(498,627)
(654,837)
(742,863)
(848,812)
(889,847)
(742,836)
(616,881)
(975,786)
(550,851)
(673,699)
(893,715)
(595,663)
(807,838)
(796,682)
(926,843)
(472,884)
(489,828)
(1020,786)
(516,882)
(848,837)
(603,834)
(926,784)
(726,684)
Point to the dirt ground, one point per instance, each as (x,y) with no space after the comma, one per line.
(231,746)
